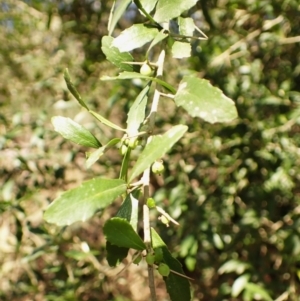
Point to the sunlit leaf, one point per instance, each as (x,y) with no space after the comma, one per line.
(81,203)
(129,209)
(200,99)
(258,292)
(156,149)
(239,284)
(233,265)
(106,121)
(74,132)
(169,9)
(114,55)
(116,13)
(148,5)
(134,37)
(181,50)
(186,26)
(94,156)
(119,232)
(161,35)
(218,242)
(136,113)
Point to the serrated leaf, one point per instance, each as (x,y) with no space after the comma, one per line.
(186,26)
(119,232)
(239,284)
(181,50)
(73,90)
(115,254)
(114,55)
(116,13)
(106,121)
(134,37)
(133,75)
(156,149)
(200,99)
(177,286)
(136,113)
(82,202)
(74,132)
(169,9)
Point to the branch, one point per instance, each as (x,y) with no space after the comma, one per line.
(146,180)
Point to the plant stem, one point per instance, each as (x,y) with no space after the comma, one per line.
(147,233)
(146,181)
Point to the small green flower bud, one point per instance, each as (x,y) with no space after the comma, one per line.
(164,270)
(164,220)
(133,142)
(123,149)
(150,258)
(158,255)
(138,259)
(151,203)
(146,70)
(158,167)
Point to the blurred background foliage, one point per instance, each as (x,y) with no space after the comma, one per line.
(234,188)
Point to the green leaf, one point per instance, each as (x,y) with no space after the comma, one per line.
(116,14)
(79,255)
(119,232)
(169,9)
(148,5)
(258,292)
(125,164)
(133,75)
(233,265)
(129,209)
(73,90)
(200,99)
(239,284)
(181,50)
(177,286)
(161,35)
(74,132)
(106,121)
(81,203)
(134,37)
(115,254)
(218,242)
(157,148)
(136,113)
(114,55)
(186,26)
(94,156)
